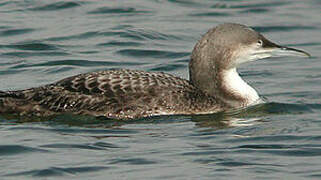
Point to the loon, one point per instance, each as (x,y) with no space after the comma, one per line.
(214,84)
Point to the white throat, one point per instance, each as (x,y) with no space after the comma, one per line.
(233,83)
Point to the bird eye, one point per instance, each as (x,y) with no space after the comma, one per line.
(260,42)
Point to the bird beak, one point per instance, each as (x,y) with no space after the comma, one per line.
(286,51)
(280,51)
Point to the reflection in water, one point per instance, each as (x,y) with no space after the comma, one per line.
(223,121)
(252,115)
(241,117)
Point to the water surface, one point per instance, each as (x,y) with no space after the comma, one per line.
(44,41)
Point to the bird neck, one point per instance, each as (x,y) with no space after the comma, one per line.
(224,85)
(233,90)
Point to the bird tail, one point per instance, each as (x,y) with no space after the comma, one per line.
(11,94)
(8,100)
(2,94)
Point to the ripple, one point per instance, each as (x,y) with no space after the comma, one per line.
(141,53)
(58,69)
(120,10)
(56,6)
(6,150)
(125,35)
(5,3)
(32,46)
(210,14)
(266,146)
(85,35)
(302,152)
(168,67)
(274,108)
(143,34)
(76,62)
(58,171)
(133,161)
(231,163)
(104,132)
(256,10)
(120,44)
(185,3)
(122,27)
(73,130)
(263,73)
(34,54)
(10,71)
(264,5)
(4,27)
(106,145)
(136,34)
(277,108)
(14,32)
(274,139)
(220,5)
(76,146)
(304,44)
(316,175)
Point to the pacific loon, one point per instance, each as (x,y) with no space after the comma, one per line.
(214,83)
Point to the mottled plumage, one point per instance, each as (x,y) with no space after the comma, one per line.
(112,93)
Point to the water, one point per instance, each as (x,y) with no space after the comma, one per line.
(44,41)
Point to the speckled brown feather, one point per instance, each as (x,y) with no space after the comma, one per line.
(114,93)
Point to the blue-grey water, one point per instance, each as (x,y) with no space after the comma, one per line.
(44,41)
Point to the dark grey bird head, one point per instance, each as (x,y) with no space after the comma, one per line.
(230,45)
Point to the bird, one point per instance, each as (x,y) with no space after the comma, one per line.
(214,84)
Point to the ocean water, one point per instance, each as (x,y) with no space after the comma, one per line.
(42,41)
